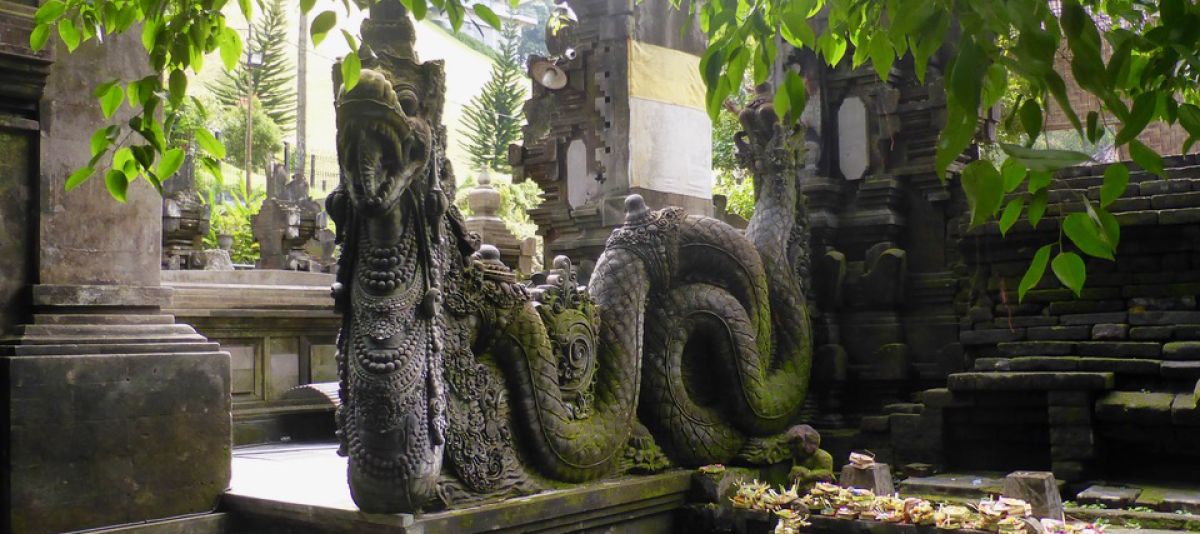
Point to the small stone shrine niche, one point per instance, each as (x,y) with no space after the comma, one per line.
(185,219)
(287,222)
(484,203)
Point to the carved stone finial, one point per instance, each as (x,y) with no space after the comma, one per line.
(636,210)
(483,199)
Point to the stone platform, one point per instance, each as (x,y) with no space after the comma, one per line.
(301,488)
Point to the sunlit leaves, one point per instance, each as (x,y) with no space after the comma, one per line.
(69,35)
(351,68)
(170,163)
(210,144)
(50,11)
(231,47)
(321,26)
(1013,173)
(117,184)
(486,14)
(1033,275)
(110,95)
(79,176)
(39,36)
(1011,212)
(1037,207)
(1139,117)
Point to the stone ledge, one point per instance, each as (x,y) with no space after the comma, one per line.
(1135,407)
(100,295)
(1017,381)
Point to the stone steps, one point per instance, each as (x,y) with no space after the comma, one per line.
(1030,381)
(1174,373)
(122,339)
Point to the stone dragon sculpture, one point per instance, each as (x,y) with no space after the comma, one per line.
(460,383)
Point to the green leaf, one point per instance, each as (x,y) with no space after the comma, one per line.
(795,28)
(1013,173)
(102,138)
(210,144)
(1031,119)
(797,94)
(966,78)
(117,184)
(1139,117)
(49,12)
(487,15)
(984,188)
(39,36)
(1044,160)
(149,34)
(321,26)
(995,84)
(351,67)
(1108,223)
(1039,181)
(419,9)
(1086,235)
(1189,117)
(177,83)
(955,138)
(1094,132)
(231,48)
(350,41)
(1069,269)
(306,6)
(68,33)
(1011,212)
(833,47)
(1037,207)
(247,9)
(171,161)
(1147,158)
(1033,275)
(111,100)
(882,54)
(78,177)
(1116,179)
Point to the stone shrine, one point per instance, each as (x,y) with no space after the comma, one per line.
(484,203)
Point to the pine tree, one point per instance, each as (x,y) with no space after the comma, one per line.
(493,118)
(273,82)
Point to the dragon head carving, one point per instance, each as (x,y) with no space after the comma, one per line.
(387,125)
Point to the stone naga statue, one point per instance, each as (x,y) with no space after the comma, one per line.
(459,382)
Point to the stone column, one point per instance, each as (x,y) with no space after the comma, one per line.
(116,414)
(629,117)
(484,202)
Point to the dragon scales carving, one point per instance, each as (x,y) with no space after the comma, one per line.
(459,383)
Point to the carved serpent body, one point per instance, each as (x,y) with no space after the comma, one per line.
(442,353)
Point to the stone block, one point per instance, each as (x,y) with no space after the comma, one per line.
(1036,348)
(1058,333)
(1109,496)
(1178,216)
(1113,349)
(1085,306)
(1158,317)
(1093,318)
(943,398)
(1186,370)
(1024,321)
(875,423)
(1185,411)
(1016,381)
(1077,437)
(990,336)
(1187,501)
(877,478)
(1142,408)
(1068,469)
(1039,489)
(1141,333)
(1177,303)
(1069,398)
(1127,366)
(1110,332)
(1181,351)
(1044,363)
(1069,415)
(993,364)
(1187,332)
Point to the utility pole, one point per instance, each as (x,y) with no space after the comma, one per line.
(249,100)
(301,94)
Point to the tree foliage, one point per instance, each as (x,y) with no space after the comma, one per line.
(273,82)
(493,118)
(1151,75)
(266,137)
